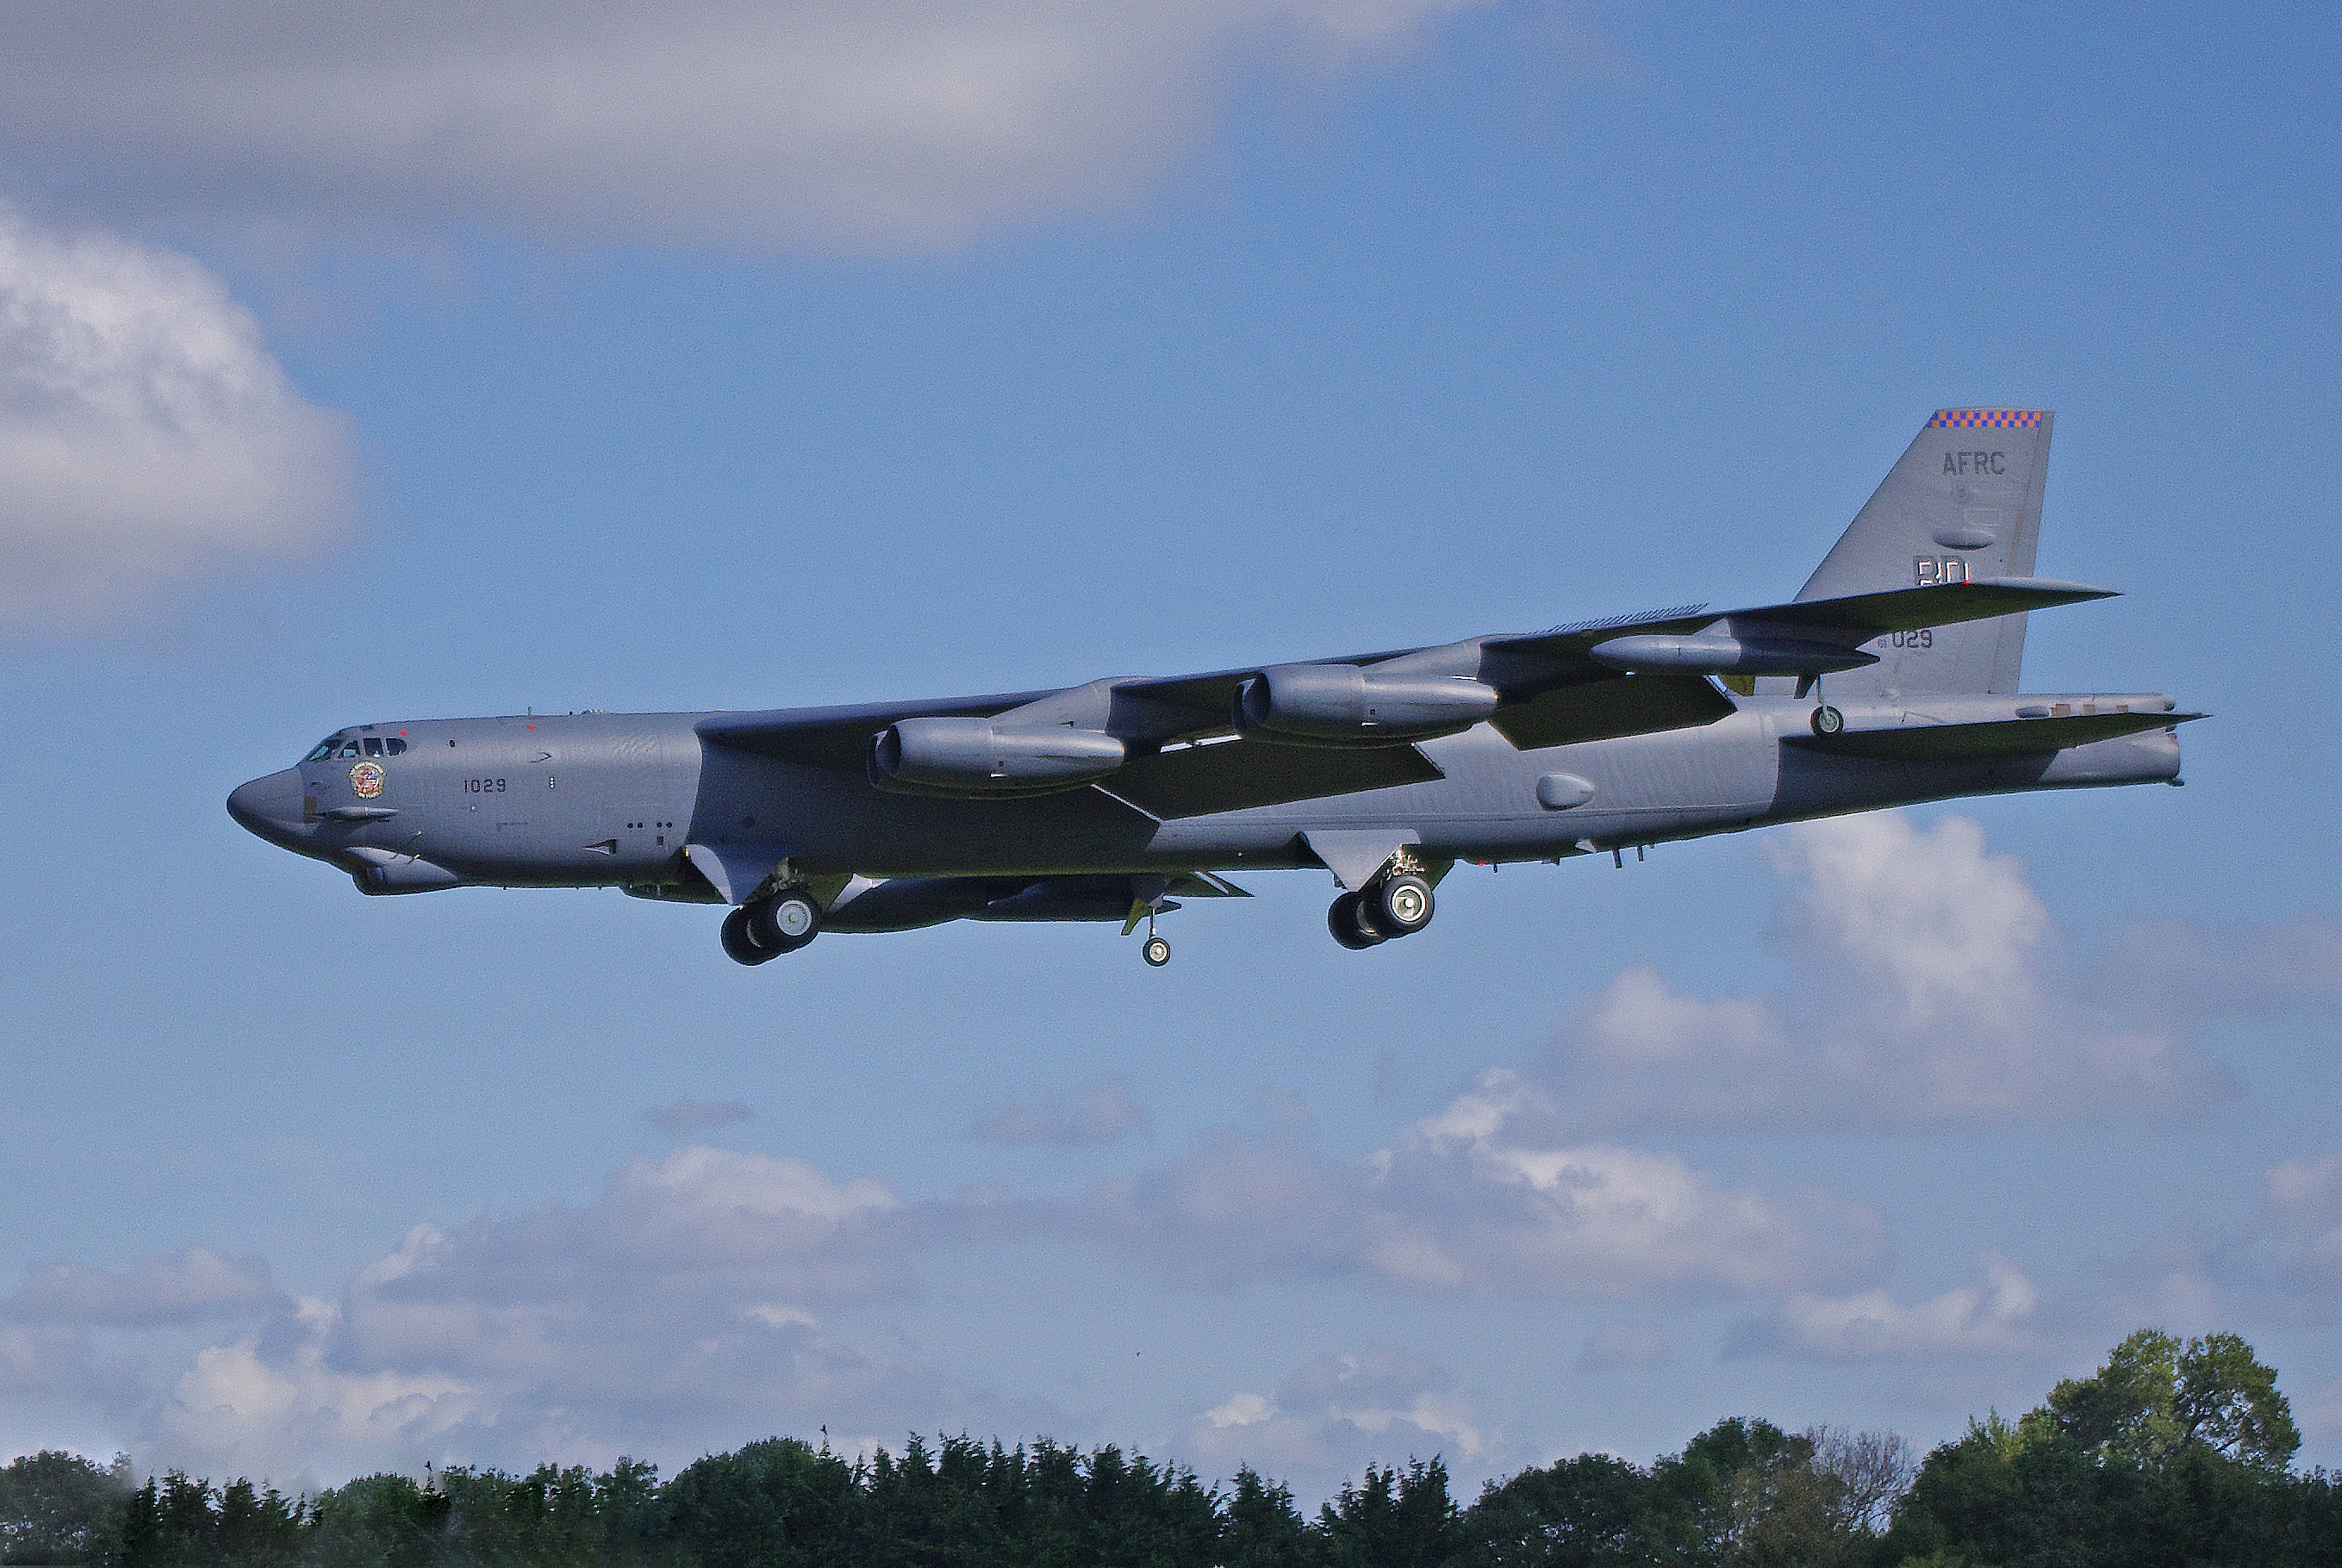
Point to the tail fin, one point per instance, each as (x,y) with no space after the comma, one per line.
(1964,503)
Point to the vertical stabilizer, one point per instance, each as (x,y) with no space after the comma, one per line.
(1964,503)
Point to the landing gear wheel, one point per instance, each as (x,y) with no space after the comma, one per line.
(1348,921)
(1398,905)
(785,921)
(739,945)
(1157,952)
(1828,720)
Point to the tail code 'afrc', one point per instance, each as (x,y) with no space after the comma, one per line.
(1964,503)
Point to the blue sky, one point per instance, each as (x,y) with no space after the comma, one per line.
(864,353)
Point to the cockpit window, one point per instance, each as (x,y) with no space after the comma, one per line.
(352,745)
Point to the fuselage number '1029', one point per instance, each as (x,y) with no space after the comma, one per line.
(484,787)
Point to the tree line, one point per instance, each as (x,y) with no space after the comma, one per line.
(2173,1455)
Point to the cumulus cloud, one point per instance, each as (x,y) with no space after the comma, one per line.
(1335,1413)
(689,1304)
(862,123)
(1931,993)
(1458,1203)
(192,1285)
(2300,1223)
(1986,1319)
(698,1115)
(1097,1111)
(145,432)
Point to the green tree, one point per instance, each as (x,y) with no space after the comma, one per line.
(1260,1527)
(1590,1512)
(376,1522)
(1395,1519)
(58,1507)
(2228,1403)
(778,1503)
(2156,1396)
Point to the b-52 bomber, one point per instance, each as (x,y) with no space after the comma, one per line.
(1890,679)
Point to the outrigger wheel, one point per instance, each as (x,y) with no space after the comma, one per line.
(1157,952)
(1828,720)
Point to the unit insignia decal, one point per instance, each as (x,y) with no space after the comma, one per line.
(366,779)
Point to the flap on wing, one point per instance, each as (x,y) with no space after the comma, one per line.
(839,737)
(2000,737)
(1235,775)
(1610,706)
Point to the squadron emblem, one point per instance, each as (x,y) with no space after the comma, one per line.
(366,779)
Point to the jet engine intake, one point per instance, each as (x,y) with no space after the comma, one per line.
(976,758)
(1345,705)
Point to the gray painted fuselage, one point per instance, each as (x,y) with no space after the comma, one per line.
(611,800)
(1094,801)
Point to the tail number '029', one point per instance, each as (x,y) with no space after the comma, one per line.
(484,787)
(1924,637)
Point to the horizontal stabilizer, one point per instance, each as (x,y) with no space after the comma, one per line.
(1936,604)
(1998,738)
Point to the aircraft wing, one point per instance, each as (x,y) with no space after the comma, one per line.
(839,737)
(1551,688)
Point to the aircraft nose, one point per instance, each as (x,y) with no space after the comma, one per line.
(270,807)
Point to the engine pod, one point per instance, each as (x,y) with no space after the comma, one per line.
(1345,705)
(978,758)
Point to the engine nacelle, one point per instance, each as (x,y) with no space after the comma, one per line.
(977,759)
(1344,706)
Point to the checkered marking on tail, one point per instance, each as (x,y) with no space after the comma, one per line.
(1995,418)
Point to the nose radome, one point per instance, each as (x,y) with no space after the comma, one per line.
(270,807)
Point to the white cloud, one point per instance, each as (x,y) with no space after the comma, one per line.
(192,1285)
(1458,1203)
(685,1307)
(1331,1416)
(2301,1215)
(1987,1319)
(862,123)
(1097,1111)
(1930,993)
(145,432)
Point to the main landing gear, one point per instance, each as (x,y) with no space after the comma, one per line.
(782,922)
(1397,903)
